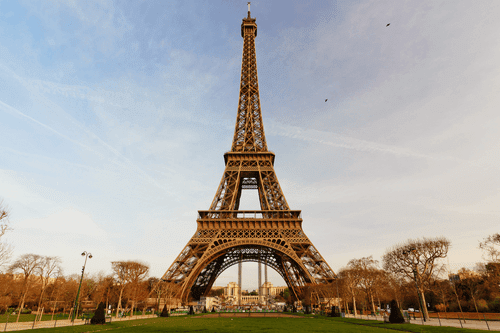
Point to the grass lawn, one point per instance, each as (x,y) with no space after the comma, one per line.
(31,317)
(288,325)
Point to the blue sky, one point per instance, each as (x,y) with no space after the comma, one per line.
(114,118)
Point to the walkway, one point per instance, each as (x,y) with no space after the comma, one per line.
(6,327)
(472,324)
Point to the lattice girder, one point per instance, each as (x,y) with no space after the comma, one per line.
(251,170)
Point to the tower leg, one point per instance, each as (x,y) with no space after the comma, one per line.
(260,282)
(266,293)
(240,264)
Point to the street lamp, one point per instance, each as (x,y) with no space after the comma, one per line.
(87,255)
(415,277)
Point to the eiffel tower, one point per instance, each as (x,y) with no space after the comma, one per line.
(227,236)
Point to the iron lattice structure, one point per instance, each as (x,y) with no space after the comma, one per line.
(227,236)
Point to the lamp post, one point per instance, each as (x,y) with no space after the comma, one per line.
(415,277)
(87,255)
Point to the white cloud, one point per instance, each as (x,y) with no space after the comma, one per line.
(67,221)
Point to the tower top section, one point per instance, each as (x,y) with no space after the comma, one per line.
(248,26)
(249,131)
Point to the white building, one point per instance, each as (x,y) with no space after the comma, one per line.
(209,303)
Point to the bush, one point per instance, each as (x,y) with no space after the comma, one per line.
(396,317)
(482,305)
(335,312)
(441,308)
(455,308)
(494,305)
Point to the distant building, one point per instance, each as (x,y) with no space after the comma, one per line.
(209,303)
(267,291)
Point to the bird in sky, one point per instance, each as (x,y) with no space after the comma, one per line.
(388,24)
(326,99)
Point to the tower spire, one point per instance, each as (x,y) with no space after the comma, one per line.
(248,9)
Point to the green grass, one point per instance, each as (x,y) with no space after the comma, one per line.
(31,317)
(262,325)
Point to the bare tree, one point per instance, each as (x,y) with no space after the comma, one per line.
(128,273)
(28,265)
(138,272)
(472,281)
(491,245)
(368,275)
(417,259)
(49,267)
(350,281)
(5,249)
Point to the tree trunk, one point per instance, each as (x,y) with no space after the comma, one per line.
(20,309)
(41,296)
(22,303)
(354,304)
(425,313)
(373,304)
(107,302)
(119,302)
(475,305)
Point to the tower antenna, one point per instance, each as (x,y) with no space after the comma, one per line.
(248,9)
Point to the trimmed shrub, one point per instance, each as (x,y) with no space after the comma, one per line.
(396,317)
(165,312)
(99,315)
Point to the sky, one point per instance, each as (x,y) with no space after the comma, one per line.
(115,115)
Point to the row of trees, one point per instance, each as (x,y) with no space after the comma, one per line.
(413,274)
(36,282)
